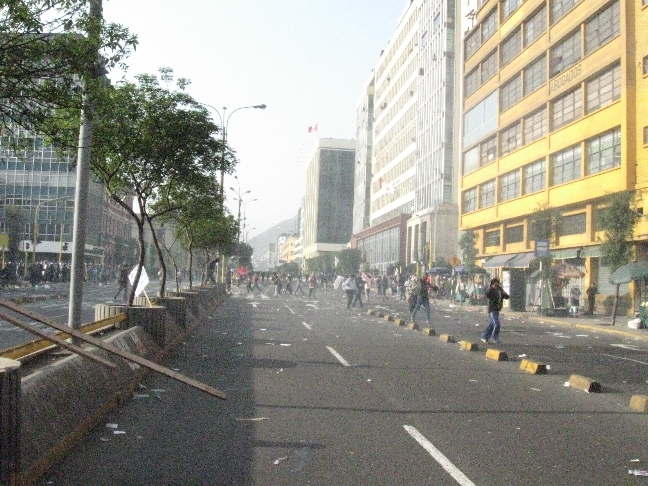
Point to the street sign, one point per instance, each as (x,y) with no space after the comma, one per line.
(541,248)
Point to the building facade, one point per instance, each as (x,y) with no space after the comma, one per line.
(364,153)
(553,117)
(328,200)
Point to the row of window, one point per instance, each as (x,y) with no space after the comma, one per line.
(602,152)
(598,30)
(573,224)
(489,25)
(600,91)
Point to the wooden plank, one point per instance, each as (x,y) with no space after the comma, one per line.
(55,339)
(114,350)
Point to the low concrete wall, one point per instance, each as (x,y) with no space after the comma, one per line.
(60,402)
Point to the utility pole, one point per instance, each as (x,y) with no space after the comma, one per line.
(83,178)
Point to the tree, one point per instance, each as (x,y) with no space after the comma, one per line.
(349,261)
(545,224)
(468,249)
(617,218)
(146,141)
(44,50)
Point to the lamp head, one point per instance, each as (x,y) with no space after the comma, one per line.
(260,107)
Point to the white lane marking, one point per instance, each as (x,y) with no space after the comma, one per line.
(290,309)
(632,347)
(307,326)
(313,306)
(254,304)
(439,457)
(337,355)
(625,359)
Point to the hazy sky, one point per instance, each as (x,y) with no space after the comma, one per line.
(307,60)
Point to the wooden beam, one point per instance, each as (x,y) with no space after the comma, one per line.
(114,350)
(55,339)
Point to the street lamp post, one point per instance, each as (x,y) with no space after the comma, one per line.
(240,201)
(224,118)
(245,219)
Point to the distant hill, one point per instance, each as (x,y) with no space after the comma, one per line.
(261,241)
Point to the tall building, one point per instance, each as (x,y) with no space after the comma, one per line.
(328,201)
(42,185)
(413,174)
(364,152)
(553,117)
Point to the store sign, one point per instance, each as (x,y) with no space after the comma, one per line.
(541,248)
(565,78)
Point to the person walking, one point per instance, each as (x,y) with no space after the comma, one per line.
(276,281)
(122,281)
(591,298)
(255,282)
(384,283)
(412,288)
(312,283)
(495,295)
(357,298)
(350,288)
(298,287)
(423,299)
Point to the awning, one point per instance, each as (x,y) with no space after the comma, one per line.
(521,260)
(499,260)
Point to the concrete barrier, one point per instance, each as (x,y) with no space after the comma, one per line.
(60,402)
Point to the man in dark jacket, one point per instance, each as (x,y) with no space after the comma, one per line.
(495,295)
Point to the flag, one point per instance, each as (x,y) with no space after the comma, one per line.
(336,261)
(312,128)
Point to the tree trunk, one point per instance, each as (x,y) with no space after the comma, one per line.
(162,290)
(616,304)
(140,263)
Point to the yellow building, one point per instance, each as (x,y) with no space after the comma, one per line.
(555,113)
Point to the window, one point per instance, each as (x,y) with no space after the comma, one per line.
(645,131)
(574,224)
(566,165)
(514,234)
(508,7)
(489,67)
(509,186)
(603,27)
(473,42)
(510,138)
(437,21)
(534,176)
(535,26)
(470,200)
(566,109)
(492,238)
(471,161)
(604,89)
(535,75)
(559,8)
(487,194)
(481,119)
(472,81)
(511,47)
(566,53)
(535,125)
(488,151)
(645,63)
(489,26)
(511,93)
(604,151)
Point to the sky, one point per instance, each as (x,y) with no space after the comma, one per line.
(307,60)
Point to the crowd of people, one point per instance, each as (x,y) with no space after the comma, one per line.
(49,272)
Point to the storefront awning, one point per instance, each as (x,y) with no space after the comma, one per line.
(521,260)
(499,260)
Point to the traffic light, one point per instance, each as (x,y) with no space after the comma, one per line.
(65,246)
(27,245)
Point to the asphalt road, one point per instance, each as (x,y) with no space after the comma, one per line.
(321,395)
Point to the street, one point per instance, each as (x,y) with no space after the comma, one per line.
(321,395)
